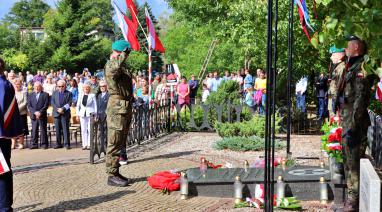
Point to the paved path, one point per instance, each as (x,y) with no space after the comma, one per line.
(62,180)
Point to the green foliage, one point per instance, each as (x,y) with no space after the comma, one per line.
(137,61)
(28,13)
(15,59)
(9,36)
(226,93)
(68,28)
(252,143)
(198,116)
(362,18)
(375,106)
(255,126)
(241,29)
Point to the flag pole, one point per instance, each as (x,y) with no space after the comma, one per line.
(150,71)
(135,15)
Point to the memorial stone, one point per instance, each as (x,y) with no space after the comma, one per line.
(370,188)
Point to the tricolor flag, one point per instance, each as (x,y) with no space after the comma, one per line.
(154,40)
(304,17)
(128,27)
(4,168)
(10,120)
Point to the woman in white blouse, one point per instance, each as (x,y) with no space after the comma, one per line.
(49,86)
(86,106)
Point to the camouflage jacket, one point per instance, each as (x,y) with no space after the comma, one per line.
(356,96)
(118,79)
(335,77)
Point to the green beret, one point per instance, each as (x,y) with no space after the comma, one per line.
(120,45)
(334,49)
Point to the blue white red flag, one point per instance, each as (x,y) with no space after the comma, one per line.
(156,44)
(4,168)
(128,27)
(10,120)
(302,6)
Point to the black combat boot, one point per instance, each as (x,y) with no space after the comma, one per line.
(117,180)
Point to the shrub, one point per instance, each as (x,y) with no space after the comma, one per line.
(252,143)
(255,126)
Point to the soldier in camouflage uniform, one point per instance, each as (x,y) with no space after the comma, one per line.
(354,91)
(335,72)
(118,110)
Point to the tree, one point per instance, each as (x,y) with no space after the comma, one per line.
(9,36)
(241,28)
(362,18)
(74,31)
(28,13)
(15,59)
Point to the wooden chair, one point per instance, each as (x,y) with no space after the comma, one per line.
(51,129)
(74,129)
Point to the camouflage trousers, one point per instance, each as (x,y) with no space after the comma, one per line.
(354,145)
(118,124)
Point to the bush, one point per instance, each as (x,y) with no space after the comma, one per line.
(228,92)
(252,143)
(255,126)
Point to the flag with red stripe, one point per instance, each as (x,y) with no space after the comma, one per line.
(133,12)
(156,44)
(4,168)
(10,121)
(128,27)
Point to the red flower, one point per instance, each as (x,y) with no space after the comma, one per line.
(334,148)
(336,136)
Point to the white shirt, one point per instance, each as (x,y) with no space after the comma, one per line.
(205,95)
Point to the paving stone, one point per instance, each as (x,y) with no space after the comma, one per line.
(74,185)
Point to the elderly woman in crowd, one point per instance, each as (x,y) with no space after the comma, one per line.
(86,105)
(21,98)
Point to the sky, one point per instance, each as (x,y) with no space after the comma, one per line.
(158,6)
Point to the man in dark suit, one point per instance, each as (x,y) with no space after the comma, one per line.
(61,101)
(102,100)
(38,103)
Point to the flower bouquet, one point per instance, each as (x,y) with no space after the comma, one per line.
(332,139)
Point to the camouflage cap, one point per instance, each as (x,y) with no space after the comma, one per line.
(120,45)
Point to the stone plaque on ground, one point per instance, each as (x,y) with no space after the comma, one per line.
(302,181)
(370,188)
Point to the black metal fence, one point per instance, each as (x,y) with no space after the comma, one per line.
(202,117)
(374,136)
(147,122)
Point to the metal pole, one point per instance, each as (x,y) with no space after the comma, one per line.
(274,75)
(290,67)
(150,73)
(267,181)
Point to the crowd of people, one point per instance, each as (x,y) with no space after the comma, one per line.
(74,98)
(252,89)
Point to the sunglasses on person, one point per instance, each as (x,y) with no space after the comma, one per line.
(60,86)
